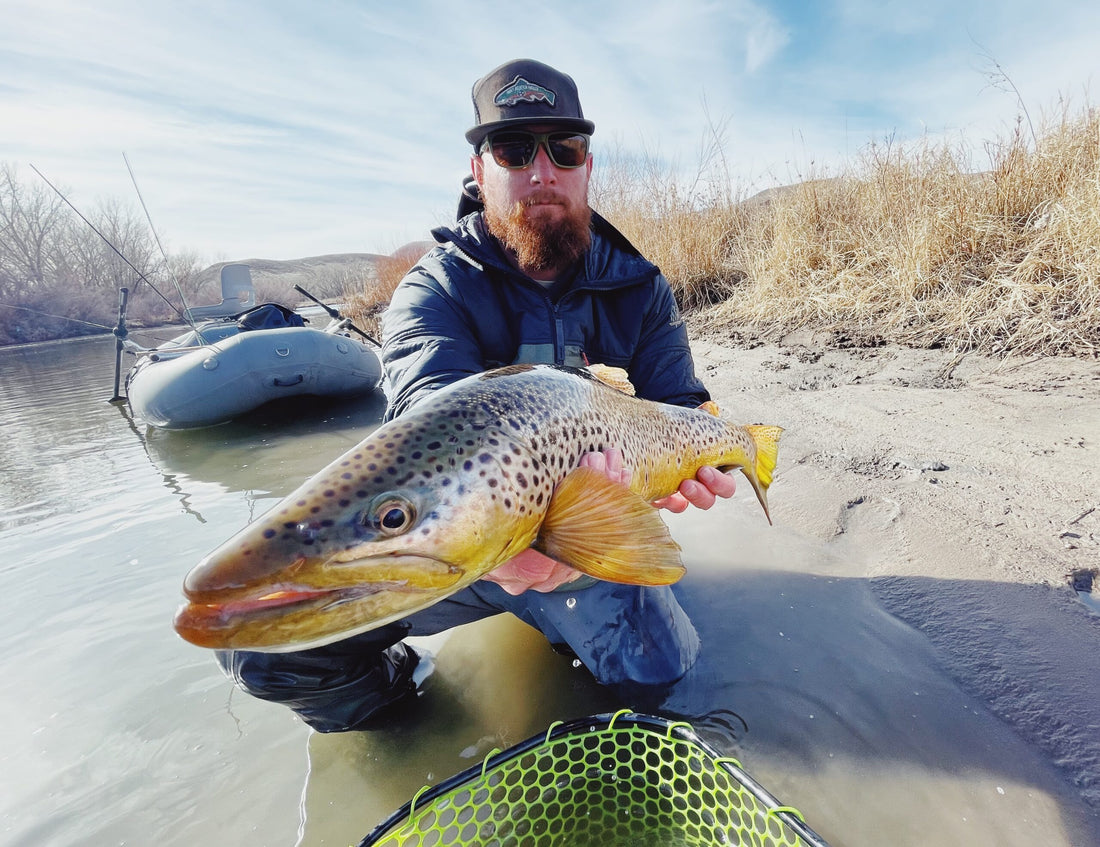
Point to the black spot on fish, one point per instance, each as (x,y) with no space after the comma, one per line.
(270,533)
(467,465)
(435,445)
(484,458)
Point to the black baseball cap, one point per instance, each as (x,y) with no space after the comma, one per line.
(524,91)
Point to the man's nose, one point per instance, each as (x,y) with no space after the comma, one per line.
(542,169)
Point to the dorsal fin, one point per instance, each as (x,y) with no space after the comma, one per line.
(615,377)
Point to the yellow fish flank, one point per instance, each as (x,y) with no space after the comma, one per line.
(437,498)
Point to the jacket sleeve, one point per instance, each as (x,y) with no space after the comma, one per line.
(662,368)
(427,339)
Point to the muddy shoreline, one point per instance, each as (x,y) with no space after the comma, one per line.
(966,490)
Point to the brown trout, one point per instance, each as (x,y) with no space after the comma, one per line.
(437,498)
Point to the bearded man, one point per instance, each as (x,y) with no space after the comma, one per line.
(529,274)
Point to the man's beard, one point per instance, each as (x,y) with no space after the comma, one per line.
(536,245)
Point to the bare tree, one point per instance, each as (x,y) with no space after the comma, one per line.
(59,276)
(32,228)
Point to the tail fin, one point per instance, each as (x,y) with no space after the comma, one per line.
(766,439)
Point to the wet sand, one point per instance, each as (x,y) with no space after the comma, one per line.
(902,656)
(966,491)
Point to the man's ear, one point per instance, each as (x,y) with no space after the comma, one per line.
(477,168)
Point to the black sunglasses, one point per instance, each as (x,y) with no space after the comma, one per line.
(516,149)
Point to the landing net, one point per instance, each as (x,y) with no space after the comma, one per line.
(607,780)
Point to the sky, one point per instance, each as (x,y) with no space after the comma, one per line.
(278,129)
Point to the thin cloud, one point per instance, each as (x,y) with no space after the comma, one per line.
(260,129)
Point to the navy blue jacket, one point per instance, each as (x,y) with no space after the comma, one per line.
(461,310)
(464,309)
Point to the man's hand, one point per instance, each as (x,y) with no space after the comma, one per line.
(702,492)
(533,571)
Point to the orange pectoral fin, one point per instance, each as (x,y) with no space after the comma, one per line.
(605,530)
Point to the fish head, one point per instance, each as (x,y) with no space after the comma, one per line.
(409,516)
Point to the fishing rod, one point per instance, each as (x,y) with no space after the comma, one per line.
(107,241)
(335,314)
(163,254)
(123,295)
(53,315)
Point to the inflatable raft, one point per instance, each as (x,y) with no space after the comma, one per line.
(225,367)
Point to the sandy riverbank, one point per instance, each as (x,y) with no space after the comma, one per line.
(968,491)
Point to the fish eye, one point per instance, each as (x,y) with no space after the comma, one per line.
(392,516)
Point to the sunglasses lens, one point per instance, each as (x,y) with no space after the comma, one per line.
(518,149)
(513,149)
(567,150)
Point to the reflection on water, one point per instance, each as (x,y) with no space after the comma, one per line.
(118,732)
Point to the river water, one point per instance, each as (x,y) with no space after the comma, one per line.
(117,732)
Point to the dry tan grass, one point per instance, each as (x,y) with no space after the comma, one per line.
(367,297)
(910,244)
(907,245)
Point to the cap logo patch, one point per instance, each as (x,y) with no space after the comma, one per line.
(520,90)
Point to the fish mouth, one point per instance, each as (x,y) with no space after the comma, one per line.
(294,615)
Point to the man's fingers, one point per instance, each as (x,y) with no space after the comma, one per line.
(608,462)
(697,494)
(720,484)
(675,503)
(702,492)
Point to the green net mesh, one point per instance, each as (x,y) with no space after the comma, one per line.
(610,780)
